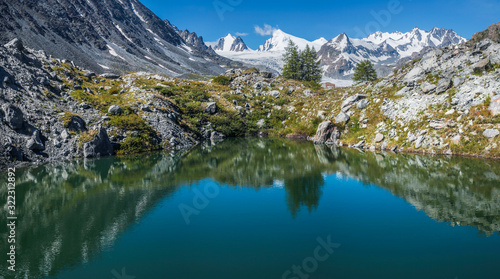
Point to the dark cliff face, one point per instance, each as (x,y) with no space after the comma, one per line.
(110,35)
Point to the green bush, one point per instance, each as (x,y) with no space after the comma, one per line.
(222,80)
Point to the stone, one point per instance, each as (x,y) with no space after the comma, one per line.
(114,109)
(211,108)
(99,146)
(351,100)
(85,106)
(491,133)
(482,65)
(275,93)
(307,92)
(379,138)
(419,142)
(443,85)
(484,44)
(458,81)
(266,74)
(13,116)
(495,105)
(327,133)
(110,76)
(428,88)
(456,139)
(15,44)
(363,104)
(261,123)
(65,135)
(75,124)
(342,118)
(35,143)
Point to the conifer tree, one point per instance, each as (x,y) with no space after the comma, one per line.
(301,65)
(365,71)
(291,58)
(310,65)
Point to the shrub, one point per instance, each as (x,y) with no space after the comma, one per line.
(222,80)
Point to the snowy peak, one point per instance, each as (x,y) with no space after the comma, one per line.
(279,41)
(340,42)
(231,43)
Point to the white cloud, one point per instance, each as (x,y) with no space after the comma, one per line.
(241,34)
(266,31)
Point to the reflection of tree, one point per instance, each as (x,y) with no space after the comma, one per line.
(304,191)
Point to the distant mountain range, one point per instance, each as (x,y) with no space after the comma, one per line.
(340,55)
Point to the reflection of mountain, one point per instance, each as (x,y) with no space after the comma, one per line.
(462,191)
(70,212)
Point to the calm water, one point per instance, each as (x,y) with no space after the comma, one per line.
(258,209)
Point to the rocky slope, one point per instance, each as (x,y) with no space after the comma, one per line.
(103,36)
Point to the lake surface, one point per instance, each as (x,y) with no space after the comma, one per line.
(257,208)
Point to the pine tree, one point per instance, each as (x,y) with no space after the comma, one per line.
(365,71)
(291,58)
(310,65)
(301,65)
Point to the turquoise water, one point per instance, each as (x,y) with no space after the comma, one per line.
(259,209)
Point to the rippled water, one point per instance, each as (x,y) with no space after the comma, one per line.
(255,208)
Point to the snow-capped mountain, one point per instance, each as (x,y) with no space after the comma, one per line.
(279,41)
(231,43)
(341,54)
(414,41)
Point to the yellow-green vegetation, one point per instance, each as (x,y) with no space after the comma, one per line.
(66,118)
(86,137)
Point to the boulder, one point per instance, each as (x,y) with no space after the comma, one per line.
(491,133)
(443,85)
(35,142)
(15,44)
(211,108)
(359,144)
(13,116)
(482,65)
(363,104)
(458,81)
(484,44)
(495,105)
(327,133)
(351,100)
(114,109)
(275,93)
(110,76)
(99,146)
(342,118)
(266,74)
(379,138)
(428,88)
(75,124)
(216,136)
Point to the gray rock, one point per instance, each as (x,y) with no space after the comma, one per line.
(351,100)
(363,104)
(275,93)
(13,116)
(458,81)
(428,88)
(307,92)
(379,138)
(211,108)
(327,133)
(491,133)
(443,85)
(261,123)
(114,109)
(65,135)
(342,118)
(35,143)
(484,44)
(76,124)
(15,44)
(419,142)
(359,144)
(110,76)
(495,105)
(99,146)
(482,65)
(265,74)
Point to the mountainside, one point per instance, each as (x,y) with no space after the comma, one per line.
(231,43)
(492,33)
(102,36)
(341,54)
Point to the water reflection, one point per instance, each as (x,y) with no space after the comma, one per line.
(71,211)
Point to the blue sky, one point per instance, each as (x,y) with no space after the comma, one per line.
(314,19)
